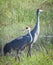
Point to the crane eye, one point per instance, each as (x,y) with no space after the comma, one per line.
(26,27)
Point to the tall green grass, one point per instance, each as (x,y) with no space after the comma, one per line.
(35,59)
(15,15)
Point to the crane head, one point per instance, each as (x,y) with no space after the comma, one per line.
(39,10)
(28,28)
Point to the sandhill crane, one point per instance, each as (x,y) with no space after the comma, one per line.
(26,40)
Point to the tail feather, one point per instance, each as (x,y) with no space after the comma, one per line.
(6,49)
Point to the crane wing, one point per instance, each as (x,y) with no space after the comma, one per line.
(19,43)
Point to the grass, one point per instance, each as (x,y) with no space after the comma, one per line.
(35,59)
(15,15)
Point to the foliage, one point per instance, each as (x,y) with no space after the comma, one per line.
(15,15)
(36,59)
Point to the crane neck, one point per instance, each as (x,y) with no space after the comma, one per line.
(36,30)
(37,27)
(37,17)
(37,21)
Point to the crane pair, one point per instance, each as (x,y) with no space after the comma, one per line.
(20,43)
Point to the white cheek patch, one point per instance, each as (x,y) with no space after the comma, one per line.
(41,10)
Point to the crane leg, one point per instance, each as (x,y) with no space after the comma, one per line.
(29,51)
(18,55)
